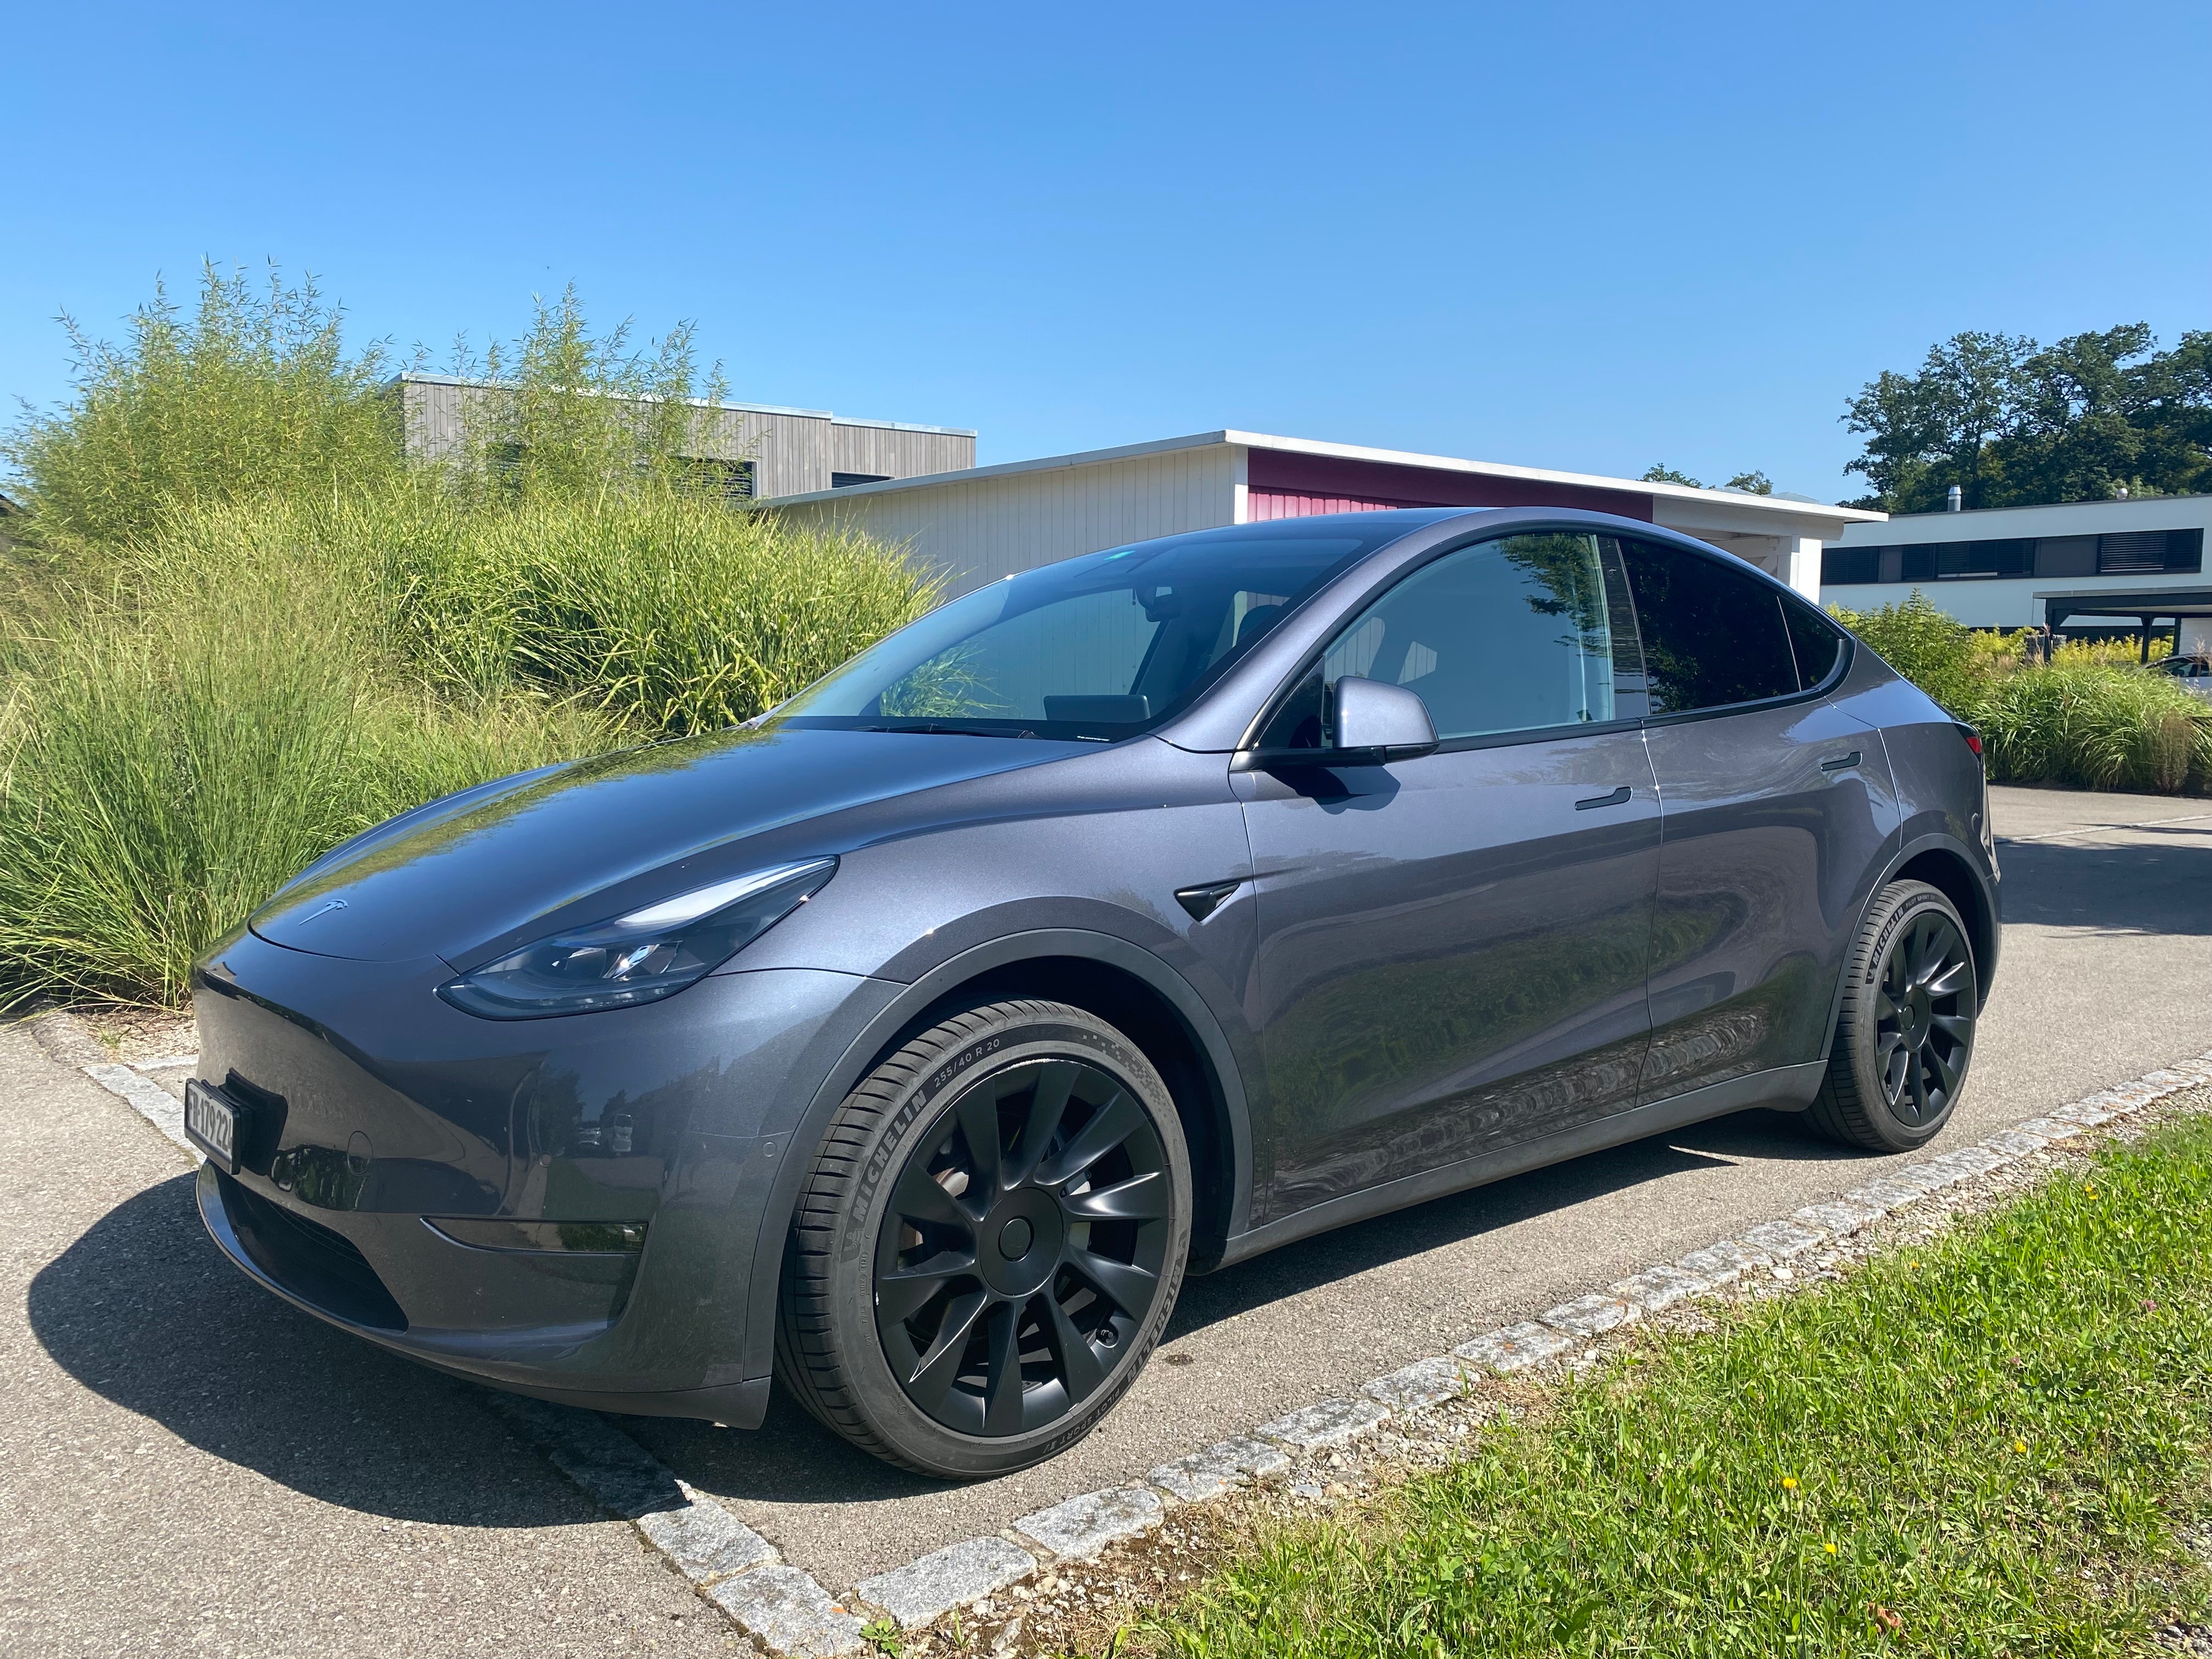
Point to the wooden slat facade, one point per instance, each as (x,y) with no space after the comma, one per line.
(794,451)
(886,450)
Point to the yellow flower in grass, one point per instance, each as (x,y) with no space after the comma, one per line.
(1789,1483)
(1830,1546)
(2021,1446)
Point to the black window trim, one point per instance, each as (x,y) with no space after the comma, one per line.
(1249,746)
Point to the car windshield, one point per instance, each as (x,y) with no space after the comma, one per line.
(1102,647)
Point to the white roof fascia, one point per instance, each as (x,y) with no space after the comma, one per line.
(895,426)
(1763,508)
(1547,475)
(413,377)
(1004,470)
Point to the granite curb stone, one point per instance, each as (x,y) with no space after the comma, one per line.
(1331,1423)
(1784,1241)
(1515,1348)
(784,1607)
(1837,1218)
(1884,1194)
(1424,1382)
(1214,1469)
(1657,1288)
(1591,1315)
(1081,1527)
(947,1578)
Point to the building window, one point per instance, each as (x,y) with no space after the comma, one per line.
(731,481)
(2149,552)
(1847,567)
(2066,555)
(846,480)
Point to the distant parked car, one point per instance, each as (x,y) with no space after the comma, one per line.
(2195,673)
(1123,919)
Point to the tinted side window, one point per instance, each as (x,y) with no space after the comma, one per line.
(1711,636)
(1508,636)
(1815,642)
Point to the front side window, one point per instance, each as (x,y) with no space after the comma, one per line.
(1102,647)
(1712,636)
(1517,634)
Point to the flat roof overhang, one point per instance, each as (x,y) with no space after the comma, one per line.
(2133,603)
(1425,480)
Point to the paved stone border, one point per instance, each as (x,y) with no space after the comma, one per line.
(787,1610)
(1332,1425)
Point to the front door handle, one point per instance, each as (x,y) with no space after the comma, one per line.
(1618,797)
(1840,763)
(1203,901)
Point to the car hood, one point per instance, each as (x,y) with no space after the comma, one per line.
(578,843)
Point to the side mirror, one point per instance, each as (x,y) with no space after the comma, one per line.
(1374,723)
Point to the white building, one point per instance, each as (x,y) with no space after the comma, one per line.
(2082,566)
(981,523)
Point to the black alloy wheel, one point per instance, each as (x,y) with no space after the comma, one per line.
(1023,1249)
(1904,1031)
(988,1243)
(1923,1028)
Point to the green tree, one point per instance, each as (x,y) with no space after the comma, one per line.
(1752,483)
(2012,423)
(1660,472)
(1928,431)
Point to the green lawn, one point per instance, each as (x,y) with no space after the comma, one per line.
(1990,1443)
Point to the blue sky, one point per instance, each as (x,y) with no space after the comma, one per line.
(1589,237)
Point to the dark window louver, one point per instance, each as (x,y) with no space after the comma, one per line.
(846,480)
(2137,553)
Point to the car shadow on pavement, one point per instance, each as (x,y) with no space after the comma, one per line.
(794,1459)
(2159,881)
(1768,1136)
(143,1310)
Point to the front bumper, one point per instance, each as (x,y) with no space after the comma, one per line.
(378,1112)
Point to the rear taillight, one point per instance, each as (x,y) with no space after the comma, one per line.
(1973,738)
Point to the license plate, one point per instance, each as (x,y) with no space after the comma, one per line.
(212,1120)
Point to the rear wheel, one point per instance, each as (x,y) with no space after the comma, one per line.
(1905,1037)
(989,1243)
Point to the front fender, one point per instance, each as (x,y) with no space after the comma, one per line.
(897,1020)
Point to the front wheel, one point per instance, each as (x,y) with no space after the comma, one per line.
(989,1243)
(1905,1037)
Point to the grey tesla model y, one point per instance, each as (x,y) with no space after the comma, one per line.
(1119,919)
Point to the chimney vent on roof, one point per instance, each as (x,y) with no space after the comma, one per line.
(1954,499)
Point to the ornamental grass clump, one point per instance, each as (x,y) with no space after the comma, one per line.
(2090,718)
(244,626)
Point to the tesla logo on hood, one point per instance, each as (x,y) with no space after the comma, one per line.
(334,904)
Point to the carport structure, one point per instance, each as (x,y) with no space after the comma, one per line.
(2190,609)
(988,522)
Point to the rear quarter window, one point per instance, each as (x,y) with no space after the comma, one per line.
(1712,637)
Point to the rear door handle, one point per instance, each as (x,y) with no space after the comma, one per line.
(1618,797)
(1840,763)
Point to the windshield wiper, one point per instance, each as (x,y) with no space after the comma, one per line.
(948,728)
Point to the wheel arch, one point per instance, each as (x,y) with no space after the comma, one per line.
(1946,865)
(1123,984)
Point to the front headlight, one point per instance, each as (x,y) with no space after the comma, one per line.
(639,957)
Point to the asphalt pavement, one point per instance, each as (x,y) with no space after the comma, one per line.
(188,1466)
